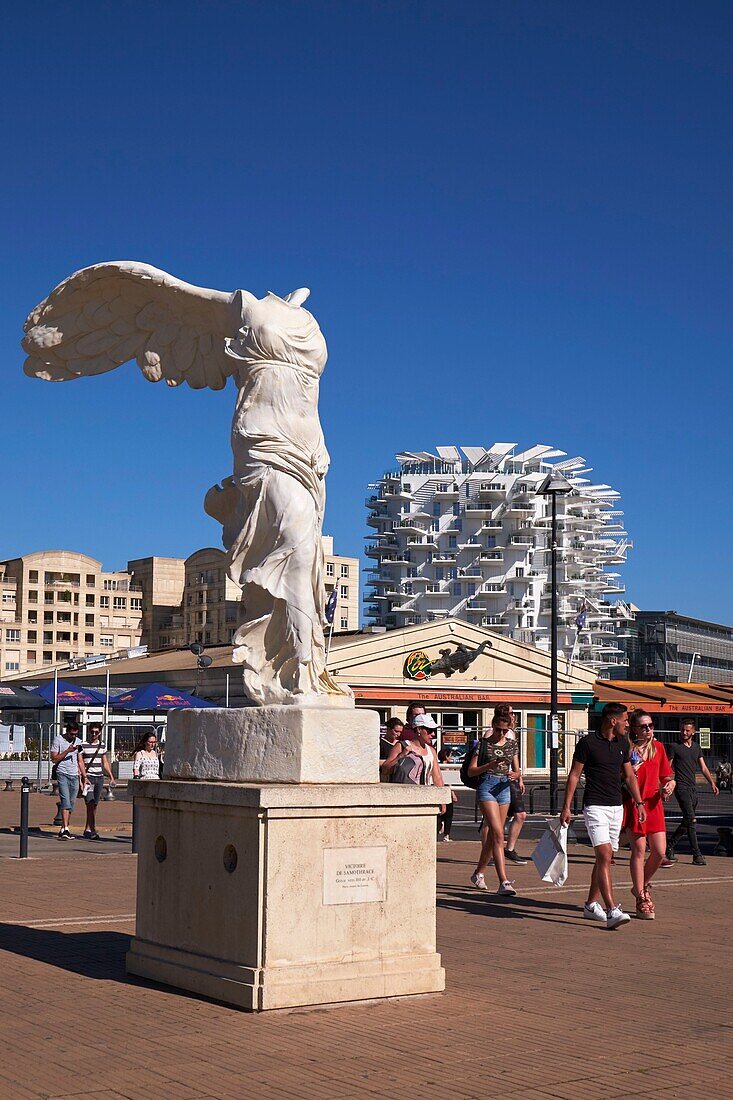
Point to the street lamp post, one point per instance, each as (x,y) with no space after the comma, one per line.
(552,486)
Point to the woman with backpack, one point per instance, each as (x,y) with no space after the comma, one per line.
(494,762)
(416,761)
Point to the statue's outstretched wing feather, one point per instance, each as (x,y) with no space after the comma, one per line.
(102,316)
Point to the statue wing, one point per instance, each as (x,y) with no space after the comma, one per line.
(103,316)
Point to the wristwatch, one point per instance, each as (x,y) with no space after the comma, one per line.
(638,803)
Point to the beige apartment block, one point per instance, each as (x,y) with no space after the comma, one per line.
(162,581)
(57,605)
(344,573)
(195,600)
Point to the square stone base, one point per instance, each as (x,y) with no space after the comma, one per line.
(275,896)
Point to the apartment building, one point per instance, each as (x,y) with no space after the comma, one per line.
(342,573)
(667,646)
(57,605)
(194,600)
(465,533)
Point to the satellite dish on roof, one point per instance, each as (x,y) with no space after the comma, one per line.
(204,661)
(197,649)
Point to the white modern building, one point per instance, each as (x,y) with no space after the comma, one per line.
(465,533)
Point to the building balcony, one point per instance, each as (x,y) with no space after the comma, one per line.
(479,510)
(378,518)
(445,555)
(491,489)
(451,493)
(491,555)
(376,500)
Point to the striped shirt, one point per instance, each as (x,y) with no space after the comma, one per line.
(92,763)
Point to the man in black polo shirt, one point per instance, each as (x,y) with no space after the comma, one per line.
(684,756)
(604,757)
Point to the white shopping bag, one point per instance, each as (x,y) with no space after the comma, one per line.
(550,857)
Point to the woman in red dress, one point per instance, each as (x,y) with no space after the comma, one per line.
(656,783)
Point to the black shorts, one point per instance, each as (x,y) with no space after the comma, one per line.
(516,800)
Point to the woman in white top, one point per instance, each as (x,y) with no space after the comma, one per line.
(146,762)
(416,761)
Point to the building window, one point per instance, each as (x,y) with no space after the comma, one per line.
(8,597)
(452,541)
(32,636)
(439,573)
(47,637)
(329,569)
(456,509)
(32,616)
(91,580)
(344,624)
(470,589)
(33,576)
(47,657)
(90,601)
(457,589)
(344,592)
(47,617)
(32,658)
(88,620)
(491,542)
(12,635)
(104,601)
(88,639)
(136,604)
(119,603)
(106,640)
(436,508)
(12,666)
(344,570)
(33,597)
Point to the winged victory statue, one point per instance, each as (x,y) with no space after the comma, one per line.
(271,508)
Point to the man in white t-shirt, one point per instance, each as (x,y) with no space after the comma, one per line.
(70,772)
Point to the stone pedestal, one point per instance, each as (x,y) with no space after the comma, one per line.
(276,895)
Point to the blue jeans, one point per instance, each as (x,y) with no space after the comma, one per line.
(494,788)
(68,790)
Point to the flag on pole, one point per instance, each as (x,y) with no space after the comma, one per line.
(331,605)
(581,616)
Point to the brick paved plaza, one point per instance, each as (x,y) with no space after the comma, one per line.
(539,1002)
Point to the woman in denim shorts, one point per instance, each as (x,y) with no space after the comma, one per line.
(495,762)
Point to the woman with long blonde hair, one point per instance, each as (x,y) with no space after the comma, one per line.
(656,783)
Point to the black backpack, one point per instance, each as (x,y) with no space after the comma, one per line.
(473,781)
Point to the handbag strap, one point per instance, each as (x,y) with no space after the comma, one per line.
(96,754)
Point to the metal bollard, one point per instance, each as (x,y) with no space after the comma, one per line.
(135,825)
(25,790)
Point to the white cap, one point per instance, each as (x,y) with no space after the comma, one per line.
(426,720)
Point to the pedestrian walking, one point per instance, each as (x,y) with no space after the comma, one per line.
(495,761)
(656,783)
(66,758)
(415,760)
(445,820)
(96,766)
(517,814)
(146,762)
(387,741)
(605,759)
(685,756)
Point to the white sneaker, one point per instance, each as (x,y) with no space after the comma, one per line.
(479,881)
(594,911)
(507,889)
(616,916)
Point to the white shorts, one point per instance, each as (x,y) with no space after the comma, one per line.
(603,824)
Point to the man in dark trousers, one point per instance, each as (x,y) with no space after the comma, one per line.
(604,757)
(685,755)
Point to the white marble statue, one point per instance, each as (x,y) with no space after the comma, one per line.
(272,508)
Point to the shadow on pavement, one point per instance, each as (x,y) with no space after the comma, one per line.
(91,954)
(517,908)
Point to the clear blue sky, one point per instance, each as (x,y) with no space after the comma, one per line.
(515,220)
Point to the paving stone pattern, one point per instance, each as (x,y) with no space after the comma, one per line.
(539,1003)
